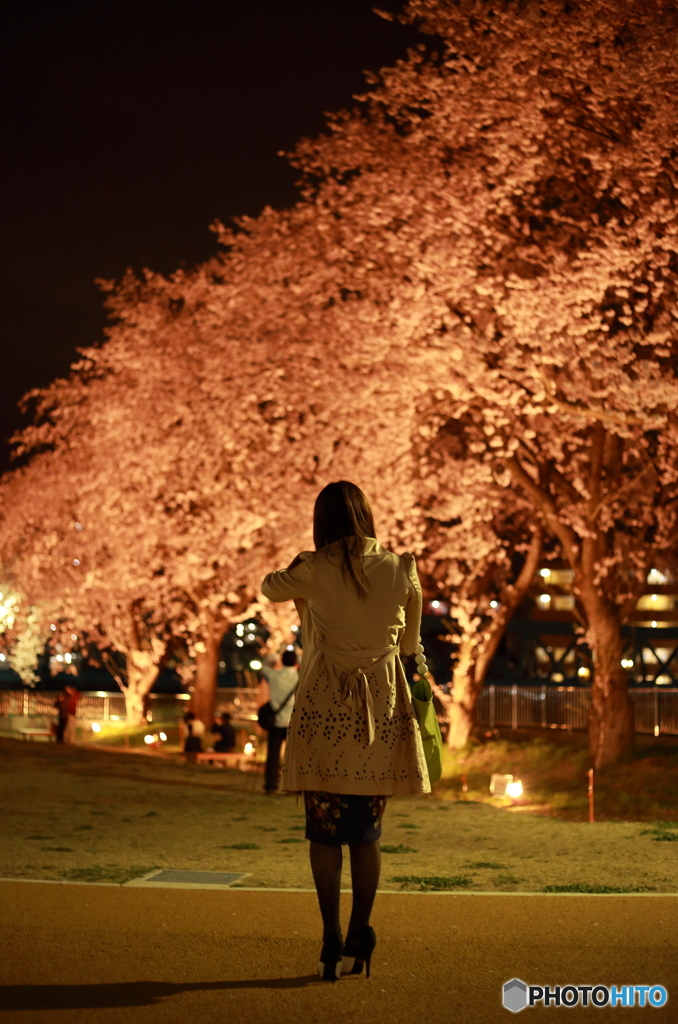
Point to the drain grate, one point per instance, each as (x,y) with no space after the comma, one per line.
(195,877)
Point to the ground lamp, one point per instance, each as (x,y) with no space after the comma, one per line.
(155,740)
(506,785)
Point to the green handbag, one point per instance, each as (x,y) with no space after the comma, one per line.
(422,699)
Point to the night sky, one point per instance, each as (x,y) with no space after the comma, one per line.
(129,127)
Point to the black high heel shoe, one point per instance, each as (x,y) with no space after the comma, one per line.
(358,950)
(331,958)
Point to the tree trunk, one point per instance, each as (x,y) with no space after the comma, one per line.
(140,681)
(475,655)
(467,683)
(611,718)
(461,709)
(204,692)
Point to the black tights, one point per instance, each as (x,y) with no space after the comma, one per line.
(326,864)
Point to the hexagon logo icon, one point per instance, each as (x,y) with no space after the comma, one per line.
(514,995)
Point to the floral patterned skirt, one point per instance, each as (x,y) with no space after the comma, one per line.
(336,819)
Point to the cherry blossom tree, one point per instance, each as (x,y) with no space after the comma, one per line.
(156,504)
(185,465)
(481,551)
(21,638)
(509,204)
(493,228)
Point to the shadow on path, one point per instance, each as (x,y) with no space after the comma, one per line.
(126,993)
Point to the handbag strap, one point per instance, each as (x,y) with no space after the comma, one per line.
(286,698)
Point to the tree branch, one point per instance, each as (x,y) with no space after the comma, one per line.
(512,595)
(613,495)
(563,484)
(629,606)
(111,666)
(546,506)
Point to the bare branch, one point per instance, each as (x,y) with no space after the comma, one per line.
(111,666)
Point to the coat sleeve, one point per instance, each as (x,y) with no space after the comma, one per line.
(286,585)
(413,606)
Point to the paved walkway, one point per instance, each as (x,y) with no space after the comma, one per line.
(103,954)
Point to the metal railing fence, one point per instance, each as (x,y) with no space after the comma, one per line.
(95,706)
(514,707)
(567,707)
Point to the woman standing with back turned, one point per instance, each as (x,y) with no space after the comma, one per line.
(352,740)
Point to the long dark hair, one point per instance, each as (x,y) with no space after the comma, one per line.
(342,511)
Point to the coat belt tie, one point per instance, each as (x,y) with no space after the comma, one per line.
(354,692)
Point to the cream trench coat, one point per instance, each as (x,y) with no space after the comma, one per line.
(352,729)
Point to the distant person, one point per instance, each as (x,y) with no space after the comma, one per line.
(194,730)
(282,682)
(223,728)
(67,707)
(62,717)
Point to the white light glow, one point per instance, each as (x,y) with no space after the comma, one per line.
(68,658)
(494,604)
(584,672)
(544,573)
(74,636)
(627,663)
(53,628)
(163,736)
(59,657)
(295,629)
(514,789)
(290,647)
(251,625)
(239,629)
(78,526)
(545,598)
(76,561)
(248,748)
(250,636)
(238,643)
(653,624)
(96,727)
(148,738)
(435,604)
(653,597)
(256,665)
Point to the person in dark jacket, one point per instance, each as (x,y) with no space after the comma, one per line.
(223,728)
(67,706)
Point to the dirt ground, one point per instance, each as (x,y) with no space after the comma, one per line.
(84,814)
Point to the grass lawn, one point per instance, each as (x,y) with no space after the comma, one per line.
(85,814)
